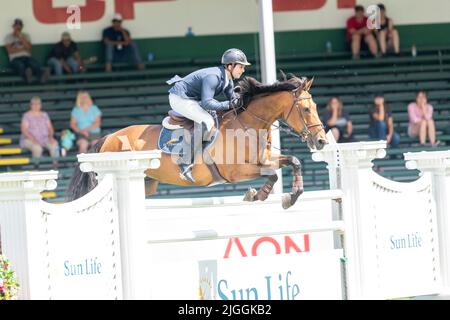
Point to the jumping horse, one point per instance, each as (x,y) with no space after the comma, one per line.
(261,105)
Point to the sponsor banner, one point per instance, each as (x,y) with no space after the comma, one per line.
(264,231)
(300,277)
(83,256)
(315,275)
(409,250)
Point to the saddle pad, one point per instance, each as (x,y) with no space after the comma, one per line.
(169,139)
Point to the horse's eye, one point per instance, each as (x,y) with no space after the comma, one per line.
(306,109)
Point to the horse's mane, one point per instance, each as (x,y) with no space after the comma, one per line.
(250,87)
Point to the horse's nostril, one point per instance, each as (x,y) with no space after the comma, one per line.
(323,141)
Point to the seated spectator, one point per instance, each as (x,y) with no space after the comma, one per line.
(85,121)
(421,121)
(18,46)
(382,123)
(387,35)
(358,34)
(338,121)
(65,57)
(119,45)
(37,131)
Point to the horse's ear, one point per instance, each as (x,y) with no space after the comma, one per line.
(308,84)
(283,75)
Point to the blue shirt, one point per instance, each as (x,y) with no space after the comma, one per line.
(86,119)
(204,85)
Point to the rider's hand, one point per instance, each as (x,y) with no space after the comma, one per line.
(234,103)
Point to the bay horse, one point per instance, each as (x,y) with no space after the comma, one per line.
(262,105)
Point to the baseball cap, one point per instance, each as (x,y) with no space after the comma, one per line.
(117,17)
(65,35)
(18,21)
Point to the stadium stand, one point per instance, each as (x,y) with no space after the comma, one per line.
(129,97)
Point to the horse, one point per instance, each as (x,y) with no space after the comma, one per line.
(288,100)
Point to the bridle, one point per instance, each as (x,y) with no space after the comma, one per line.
(305,133)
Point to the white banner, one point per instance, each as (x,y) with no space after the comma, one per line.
(84,255)
(406,243)
(301,277)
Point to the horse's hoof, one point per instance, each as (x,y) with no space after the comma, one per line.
(286,201)
(250,195)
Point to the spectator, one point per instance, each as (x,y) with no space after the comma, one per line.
(119,45)
(37,131)
(65,57)
(18,46)
(358,33)
(338,121)
(387,35)
(85,121)
(421,121)
(382,123)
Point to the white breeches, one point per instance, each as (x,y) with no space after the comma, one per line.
(191,109)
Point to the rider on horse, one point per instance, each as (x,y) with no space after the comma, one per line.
(192,95)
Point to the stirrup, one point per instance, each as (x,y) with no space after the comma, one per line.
(208,135)
(186,172)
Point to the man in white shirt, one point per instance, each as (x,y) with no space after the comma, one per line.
(18,45)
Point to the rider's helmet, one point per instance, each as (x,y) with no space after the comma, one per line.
(234,56)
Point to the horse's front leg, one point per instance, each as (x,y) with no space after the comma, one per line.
(276,162)
(264,191)
(289,199)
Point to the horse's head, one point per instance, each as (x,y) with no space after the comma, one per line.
(301,115)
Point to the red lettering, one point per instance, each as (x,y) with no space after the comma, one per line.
(126,7)
(265,239)
(239,245)
(290,244)
(297,5)
(345,4)
(45,12)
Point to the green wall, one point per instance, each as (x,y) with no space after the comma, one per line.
(285,43)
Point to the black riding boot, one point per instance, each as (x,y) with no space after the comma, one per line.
(186,166)
(207,136)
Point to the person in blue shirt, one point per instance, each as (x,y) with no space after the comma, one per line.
(85,121)
(119,45)
(194,95)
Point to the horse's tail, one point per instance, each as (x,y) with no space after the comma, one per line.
(83,182)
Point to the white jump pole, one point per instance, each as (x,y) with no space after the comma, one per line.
(268,70)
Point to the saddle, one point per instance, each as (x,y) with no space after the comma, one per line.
(176,121)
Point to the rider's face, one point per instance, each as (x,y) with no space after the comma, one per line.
(237,71)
